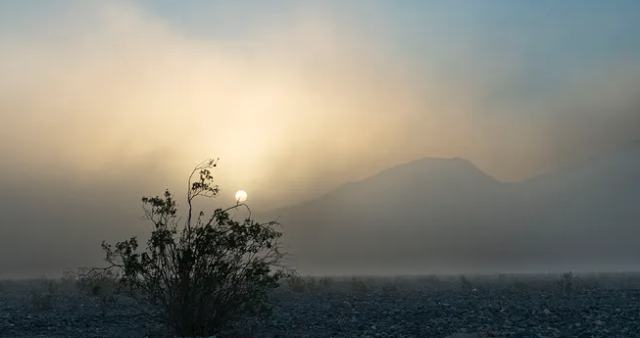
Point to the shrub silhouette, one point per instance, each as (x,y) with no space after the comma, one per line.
(203,277)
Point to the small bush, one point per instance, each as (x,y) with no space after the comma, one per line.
(100,284)
(325,282)
(69,280)
(431,281)
(200,278)
(359,285)
(389,288)
(296,283)
(43,294)
(465,283)
(518,284)
(311,284)
(567,282)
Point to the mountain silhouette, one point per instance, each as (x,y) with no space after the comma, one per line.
(447,215)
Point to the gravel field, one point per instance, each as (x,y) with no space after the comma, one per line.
(400,307)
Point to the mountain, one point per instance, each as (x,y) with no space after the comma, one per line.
(593,203)
(447,215)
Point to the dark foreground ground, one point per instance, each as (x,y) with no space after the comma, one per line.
(507,306)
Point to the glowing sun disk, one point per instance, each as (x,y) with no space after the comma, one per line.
(241,196)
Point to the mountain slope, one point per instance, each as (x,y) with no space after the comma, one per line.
(439,214)
(593,203)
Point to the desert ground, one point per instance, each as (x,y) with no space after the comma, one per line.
(500,305)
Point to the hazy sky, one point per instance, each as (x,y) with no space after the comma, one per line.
(118,98)
(102,102)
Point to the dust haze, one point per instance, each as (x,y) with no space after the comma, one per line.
(102,103)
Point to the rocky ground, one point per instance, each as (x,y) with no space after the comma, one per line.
(419,307)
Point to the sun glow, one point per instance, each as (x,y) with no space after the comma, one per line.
(241,196)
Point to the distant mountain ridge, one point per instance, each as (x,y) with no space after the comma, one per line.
(439,214)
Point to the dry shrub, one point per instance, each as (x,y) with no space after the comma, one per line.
(297,283)
(325,282)
(359,285)
(202,277)
(102,285)
(42,294)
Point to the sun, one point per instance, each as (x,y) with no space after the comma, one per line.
(241,196)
